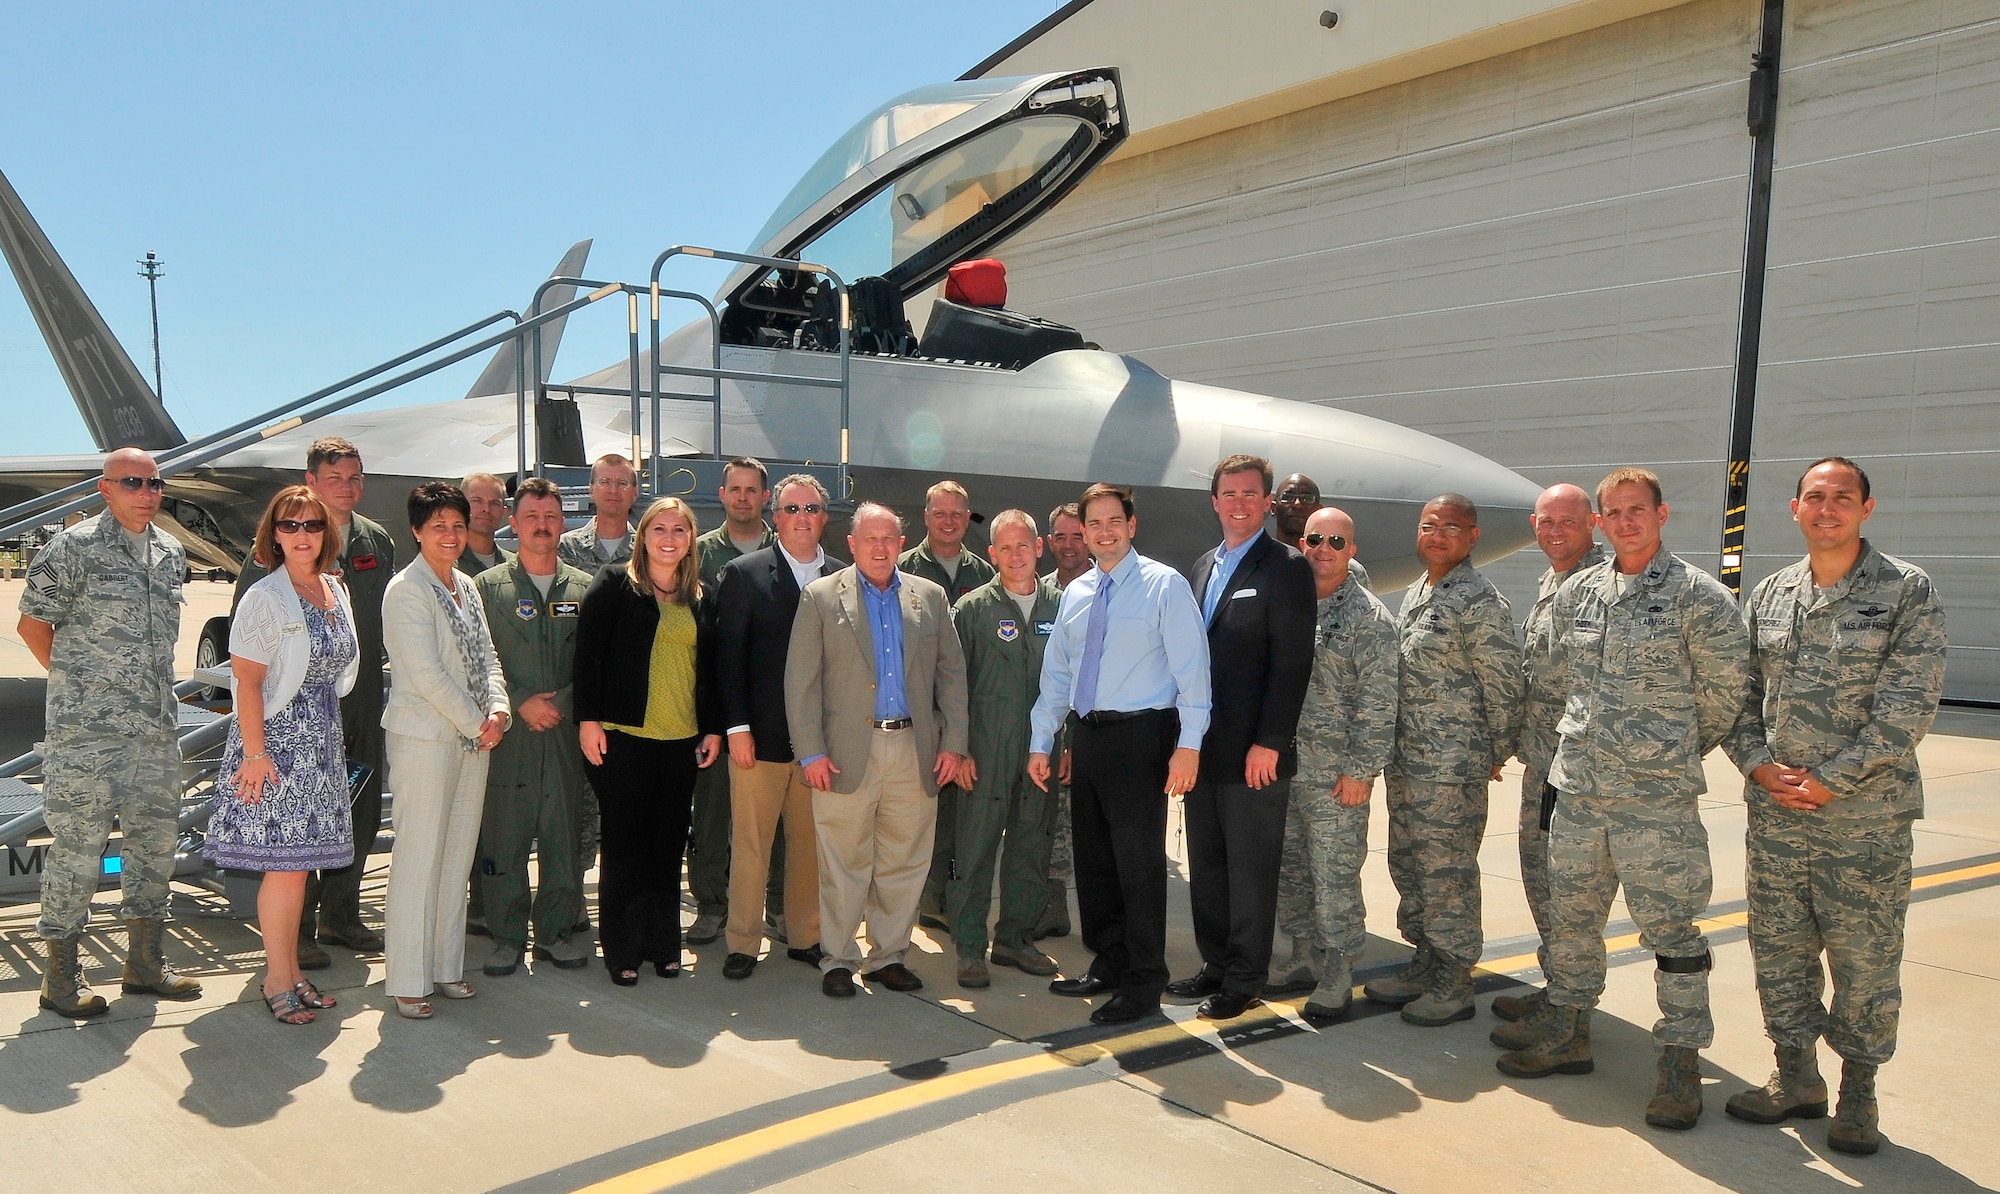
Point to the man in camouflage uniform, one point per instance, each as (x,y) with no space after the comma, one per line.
(1347,733)
(535,782)
(1849,652)
(1655,664)
(1458,712)
(367,560)
(745,491)
(1072,556)
(1004,626)
(1564,530)
(101,611)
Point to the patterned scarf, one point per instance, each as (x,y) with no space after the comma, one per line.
(475,645)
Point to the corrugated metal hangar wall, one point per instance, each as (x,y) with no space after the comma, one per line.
(1539,256)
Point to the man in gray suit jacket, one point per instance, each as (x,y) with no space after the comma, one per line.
(874,690)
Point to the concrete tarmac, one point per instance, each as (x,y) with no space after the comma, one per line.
(554,1080)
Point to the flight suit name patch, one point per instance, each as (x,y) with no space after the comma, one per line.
(564,609)
(1045,629)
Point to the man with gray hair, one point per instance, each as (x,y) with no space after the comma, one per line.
(875,697)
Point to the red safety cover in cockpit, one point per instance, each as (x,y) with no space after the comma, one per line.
(981,283)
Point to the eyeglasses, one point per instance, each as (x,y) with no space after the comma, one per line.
(1337,542)
(135,484)
(1449,530)
(292,526)
(808,508)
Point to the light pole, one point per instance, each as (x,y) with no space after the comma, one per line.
(152,270)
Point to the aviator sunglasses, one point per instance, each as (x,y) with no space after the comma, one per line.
(292,526)
(135,484)
(808,508)
(1337,542)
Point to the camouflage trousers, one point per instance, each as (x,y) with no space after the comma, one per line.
(89,783)
(1534,844)
(1434,832)
(1659,851)
(1819,886)
(1002,824)
(1319,879)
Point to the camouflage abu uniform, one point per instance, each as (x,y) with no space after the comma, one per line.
(1655,678)
(1458,712)
(1846,683)
(1538,740)
(112,742)
(1346,727)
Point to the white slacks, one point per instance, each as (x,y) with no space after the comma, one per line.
(440,792)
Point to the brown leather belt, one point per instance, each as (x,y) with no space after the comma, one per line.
(899,723)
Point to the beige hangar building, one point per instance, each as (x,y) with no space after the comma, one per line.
(1526,226)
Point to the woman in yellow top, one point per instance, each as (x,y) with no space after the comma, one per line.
(647,722)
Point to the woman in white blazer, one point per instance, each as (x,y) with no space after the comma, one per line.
(447,708)
(281,803)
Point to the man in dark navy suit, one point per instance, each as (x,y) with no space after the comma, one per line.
(1258,602)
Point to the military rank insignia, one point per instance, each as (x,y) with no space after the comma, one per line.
(1009,630)
(524,609)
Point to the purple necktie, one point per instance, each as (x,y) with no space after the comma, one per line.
(1093,648)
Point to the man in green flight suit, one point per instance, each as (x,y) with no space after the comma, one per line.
(1004,626)
(535,783)
(367,560)
(486,495)
(745,491)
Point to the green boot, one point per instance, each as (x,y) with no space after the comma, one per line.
(1676,1100)
(63,989)
(1518,1007)
(1795,1090)
(1295,973)
(1406,984)
(1448,1001)
(1524,1032)
(1563,1049)
(146,969)
(1334,996)
(1857,1125)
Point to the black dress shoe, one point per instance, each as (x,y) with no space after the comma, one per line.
(1226,1005)
(1201,986)
(1122,1009)
(738,966)
(359,938)
(837,982)
(896,977)
(811,955)
(1083,988)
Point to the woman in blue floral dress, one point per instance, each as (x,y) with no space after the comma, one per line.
(281,803)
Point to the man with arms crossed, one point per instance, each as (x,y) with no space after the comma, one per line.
(1129,656)
(1848,647)
(1652,655)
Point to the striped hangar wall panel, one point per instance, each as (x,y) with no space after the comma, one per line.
(1882,319)
(1536,256)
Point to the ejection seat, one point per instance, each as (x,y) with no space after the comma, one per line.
(970,322)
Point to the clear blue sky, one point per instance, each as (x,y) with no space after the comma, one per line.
(330,185)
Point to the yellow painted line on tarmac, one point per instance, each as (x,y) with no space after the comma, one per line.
(750,1146)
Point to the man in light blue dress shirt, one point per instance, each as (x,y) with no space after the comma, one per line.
(1129,656)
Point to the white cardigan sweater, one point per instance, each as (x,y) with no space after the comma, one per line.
(269,627)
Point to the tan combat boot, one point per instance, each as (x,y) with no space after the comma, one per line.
(1524,1032)
(1564,1048)
(1448,1001)
(1676,1100)
(146,969)
(1296,972)
(1406,984)
(63,989)
(1334,996)
(1795,1090)
(1857,1125)
(1519,1007)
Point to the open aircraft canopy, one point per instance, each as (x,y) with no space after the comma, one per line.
(938,174)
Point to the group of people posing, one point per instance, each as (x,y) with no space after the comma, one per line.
(839,752)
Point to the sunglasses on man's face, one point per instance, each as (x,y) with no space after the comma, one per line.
(292,526)
(808,508)
(135,484)
(1337,542)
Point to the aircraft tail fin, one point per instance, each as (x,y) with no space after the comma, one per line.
(498,376)
(120,409)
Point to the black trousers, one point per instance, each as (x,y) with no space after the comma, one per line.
(1118,817)
(1236,841)
(645,794)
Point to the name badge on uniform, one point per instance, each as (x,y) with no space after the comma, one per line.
(524,609)
(1045,629)
(1009,630)
(366,563)
(564,609)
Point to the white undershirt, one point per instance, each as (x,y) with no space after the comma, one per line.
(1026,601)
(611,549)
(543,583)
(950,566)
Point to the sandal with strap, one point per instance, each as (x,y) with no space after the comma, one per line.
(457,990)
(287,1009)
(311,996)
(414,1009)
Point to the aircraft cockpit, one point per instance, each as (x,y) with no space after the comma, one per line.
(926,182)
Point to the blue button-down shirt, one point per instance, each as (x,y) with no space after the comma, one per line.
(1226,559)
(885,625)
(1155,652)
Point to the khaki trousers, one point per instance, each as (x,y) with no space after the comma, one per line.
(758,799)
(874,854)
(440,794)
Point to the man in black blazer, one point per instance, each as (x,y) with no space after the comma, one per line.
(1258,601)
(757,599)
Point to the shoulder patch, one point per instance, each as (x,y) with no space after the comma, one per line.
(42,578)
